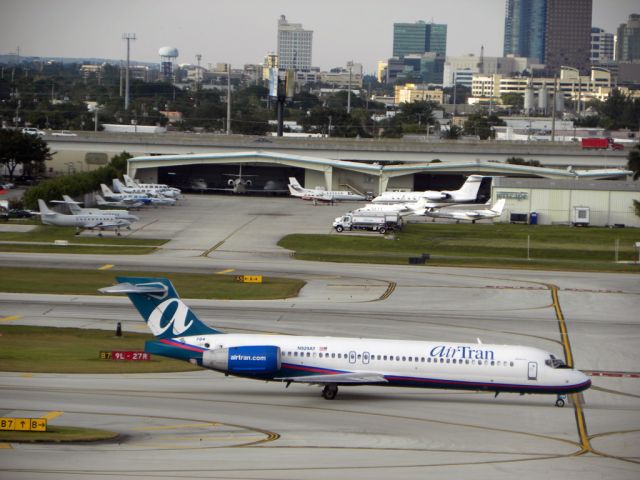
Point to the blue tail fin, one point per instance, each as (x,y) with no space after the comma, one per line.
(157,301)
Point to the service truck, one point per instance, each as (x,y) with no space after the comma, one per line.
(601,144)
(380,222)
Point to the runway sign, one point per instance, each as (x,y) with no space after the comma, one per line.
(23,424)
(125,355)
(249,278)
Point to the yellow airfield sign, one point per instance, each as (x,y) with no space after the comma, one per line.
(23,424)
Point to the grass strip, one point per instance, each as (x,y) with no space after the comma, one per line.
(58,434)
(32,349)
(189,285)
(46,234)
(491,245)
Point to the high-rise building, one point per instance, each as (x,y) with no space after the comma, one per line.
(418,38)
(294,45)
(568,34)
(628,45)
(524,28)
(601,46)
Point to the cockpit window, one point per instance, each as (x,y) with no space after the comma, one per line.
(554,362)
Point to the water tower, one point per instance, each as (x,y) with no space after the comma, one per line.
(168,57)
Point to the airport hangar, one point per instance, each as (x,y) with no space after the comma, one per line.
(552,194)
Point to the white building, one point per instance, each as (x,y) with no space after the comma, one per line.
(461,68)
(602,46)
(294,45)
(607,203)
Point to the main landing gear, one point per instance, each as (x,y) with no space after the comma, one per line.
(329,392)
(560,401)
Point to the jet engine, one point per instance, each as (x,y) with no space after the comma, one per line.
(246,360)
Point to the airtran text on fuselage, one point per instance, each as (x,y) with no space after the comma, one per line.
(462,352)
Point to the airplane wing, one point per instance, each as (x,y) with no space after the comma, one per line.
(352,377)
(99,224)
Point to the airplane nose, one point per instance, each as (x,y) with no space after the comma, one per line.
(583,379)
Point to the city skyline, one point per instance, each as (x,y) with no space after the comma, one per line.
(244,31)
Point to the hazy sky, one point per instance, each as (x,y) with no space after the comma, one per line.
(243,31)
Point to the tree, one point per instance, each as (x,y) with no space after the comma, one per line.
(17,148)
(633,162)
(452,133)
(480,124)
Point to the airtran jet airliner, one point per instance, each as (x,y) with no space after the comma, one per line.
(332,362)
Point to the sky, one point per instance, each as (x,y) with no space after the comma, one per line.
(244,31)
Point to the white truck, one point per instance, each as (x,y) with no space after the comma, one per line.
(380,222)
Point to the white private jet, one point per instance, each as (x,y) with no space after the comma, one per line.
(106,203)
(469,215)
(466,194)
(127,198)
(119,187)
(75,209)
(166,190)
(82,221)
(332,362)
(402,209)
(320,194)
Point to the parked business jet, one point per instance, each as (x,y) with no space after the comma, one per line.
(124,197)
(106,203)
(119,187)
(333,362)
(466,194)
(402,209)
(320,194)
(166,190)
(75,209)
(468,215)
(82,221)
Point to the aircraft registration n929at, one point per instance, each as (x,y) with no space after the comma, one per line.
(332,362)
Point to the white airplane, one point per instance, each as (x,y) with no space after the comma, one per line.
(297,190)
(469,215)
(82,221)
(106,203)
(402,209)
(166,190)
(332,362)
(118,187)
(466,194)
(127,198)
(75,209)
(243,184)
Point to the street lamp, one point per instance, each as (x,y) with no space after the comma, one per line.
(350,66)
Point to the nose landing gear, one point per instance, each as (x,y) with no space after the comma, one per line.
(560,401)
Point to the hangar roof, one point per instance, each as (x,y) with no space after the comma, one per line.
(375,169)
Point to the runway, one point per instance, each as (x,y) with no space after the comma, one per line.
(205,425)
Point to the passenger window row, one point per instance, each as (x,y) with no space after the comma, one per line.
(398,358)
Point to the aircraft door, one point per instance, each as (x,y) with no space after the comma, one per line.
(352,357)
(365,357)
(533,371)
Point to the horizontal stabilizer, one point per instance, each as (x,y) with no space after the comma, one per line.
(137,288)
(341,378)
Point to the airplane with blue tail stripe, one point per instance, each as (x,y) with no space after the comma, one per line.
(332,361)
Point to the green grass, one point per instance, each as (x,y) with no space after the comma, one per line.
(58,434)
(75,350)
(188,285)
(494,245)
(108,244)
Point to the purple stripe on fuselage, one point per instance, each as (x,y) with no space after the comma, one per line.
(173,343)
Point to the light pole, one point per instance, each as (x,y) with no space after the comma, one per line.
(128,37)
(228,99)
(350,66)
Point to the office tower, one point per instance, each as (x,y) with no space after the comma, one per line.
(568,34)
(294,45)
(524,28)
(418,38)
(601,46)
(628,45)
